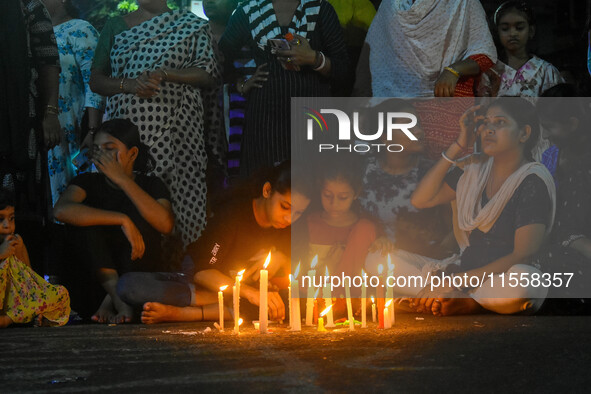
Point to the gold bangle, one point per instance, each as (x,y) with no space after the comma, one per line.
(453,71)
(121,84)
(165,75)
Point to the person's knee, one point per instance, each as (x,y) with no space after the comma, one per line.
(531,296)
(130,288)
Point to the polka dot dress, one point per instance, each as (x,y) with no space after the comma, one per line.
(173,123)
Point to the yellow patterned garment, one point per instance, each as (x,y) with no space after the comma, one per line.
(24,295)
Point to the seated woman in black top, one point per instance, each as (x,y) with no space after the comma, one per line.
(122,214)
(239,236)
(505,206)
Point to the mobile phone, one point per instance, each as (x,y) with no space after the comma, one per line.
(279,43)
(82,160)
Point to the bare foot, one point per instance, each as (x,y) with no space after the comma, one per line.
(124,313)
(447,306)
(155,312)
(105,312)
(5,321)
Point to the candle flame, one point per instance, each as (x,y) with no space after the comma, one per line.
(240,321)
(290,279)
(297,270)
(362,272)
(390,265)
(316,294)
(223,288)
(327,274)
(326,310)
(314,262)
(388,303)
(240,274)
(372,300)
(267,261)
(380,269)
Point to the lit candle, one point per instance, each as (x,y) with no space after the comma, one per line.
(321,318)
(264,282)
(310,299)
(373,309)
(390,290)
(363,301)
(349,308)
(236,300)
(296,321)
(387,316)
(380,295)
(327,295)
(289,300)
(316,307)
(221,306)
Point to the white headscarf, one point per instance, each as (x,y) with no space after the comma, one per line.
(470,212)
(410,44)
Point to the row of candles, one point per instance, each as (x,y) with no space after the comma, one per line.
(387,316)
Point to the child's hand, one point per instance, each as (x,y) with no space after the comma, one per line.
(8,247)
(135,239)
(109,165)
(382,244)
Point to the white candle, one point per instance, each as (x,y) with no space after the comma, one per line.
(363,302)
(349,308)
(373,309)
(296,321)
(321,318)
(387,314)
(327,295)
(310,298)
(264,284)
(236,300)
(390,290)
(221,306)
(289,300)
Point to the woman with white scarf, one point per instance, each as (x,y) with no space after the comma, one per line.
(505,207)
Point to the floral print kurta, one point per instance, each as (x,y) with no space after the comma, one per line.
(76,41)
(24,295)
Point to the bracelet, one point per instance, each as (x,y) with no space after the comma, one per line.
(121,84)
(165,74)
(455,163)
(52,110)
(572,239)
(461,147)
(241,90)
(323,63)
(453,71)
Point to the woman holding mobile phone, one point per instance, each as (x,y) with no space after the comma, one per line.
(317,57)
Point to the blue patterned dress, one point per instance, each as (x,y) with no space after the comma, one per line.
(76,41)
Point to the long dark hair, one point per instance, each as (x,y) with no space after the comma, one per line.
(128,133)
(524,113)
(6,199)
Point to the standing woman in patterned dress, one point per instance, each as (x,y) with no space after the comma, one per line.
(317,57)
(156,66)
(76,41)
